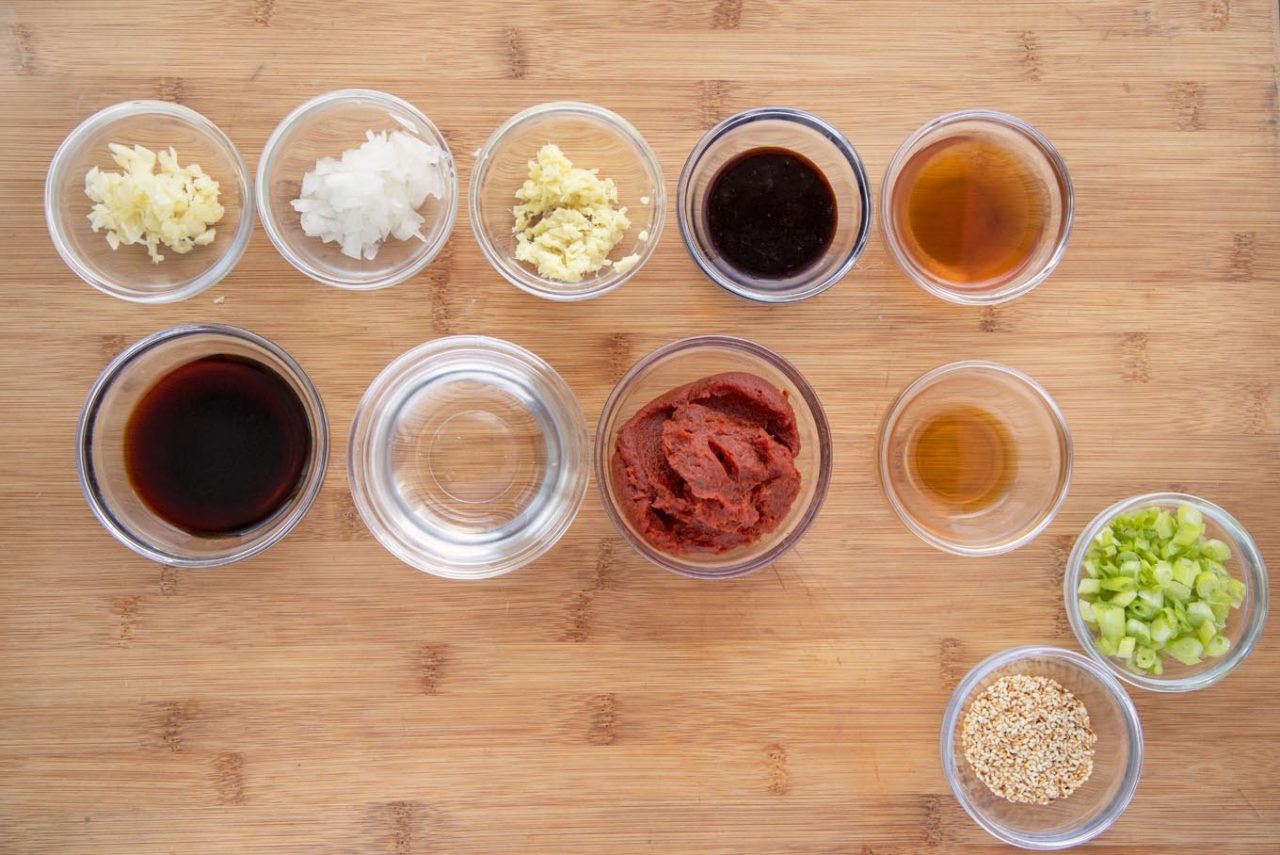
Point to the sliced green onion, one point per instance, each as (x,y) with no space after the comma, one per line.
(1186,650)
(1161,630)
(1185,571)
(1216,550)
(1206,632)
(1178,591)
(1110,620)
(1153,584)
(1138,630)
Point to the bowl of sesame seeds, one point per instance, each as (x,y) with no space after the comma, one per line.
(1042,747)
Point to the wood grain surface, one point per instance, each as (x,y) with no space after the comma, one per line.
(324,698)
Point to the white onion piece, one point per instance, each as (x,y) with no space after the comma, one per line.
(373,192)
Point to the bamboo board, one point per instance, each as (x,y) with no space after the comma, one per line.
(323,698)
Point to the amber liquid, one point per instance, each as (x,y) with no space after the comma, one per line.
(969,211)
(963,456)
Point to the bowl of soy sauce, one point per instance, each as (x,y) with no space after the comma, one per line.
(202,445)
(774,205)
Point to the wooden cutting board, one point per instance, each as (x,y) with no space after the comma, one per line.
(324,698)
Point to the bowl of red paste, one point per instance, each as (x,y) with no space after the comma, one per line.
(713,456)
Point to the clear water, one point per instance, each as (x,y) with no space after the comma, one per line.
(471,464)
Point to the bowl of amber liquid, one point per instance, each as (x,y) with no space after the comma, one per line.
(977,207)
(975,458)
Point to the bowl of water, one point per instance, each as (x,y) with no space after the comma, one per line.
(468,457)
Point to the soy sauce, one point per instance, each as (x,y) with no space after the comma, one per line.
(218,445)
(771,212)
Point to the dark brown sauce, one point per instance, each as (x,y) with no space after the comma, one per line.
(771,212)
(218,445)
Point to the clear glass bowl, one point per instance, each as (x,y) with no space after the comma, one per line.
(100,450)
(805,134)
(1244,625)
(1117,762)
(468,457)
(690,359)
(1041,446)
(128,272)
(1042,162)
(327,126)
(593,138)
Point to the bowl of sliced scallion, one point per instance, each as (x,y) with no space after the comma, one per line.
(1167,590)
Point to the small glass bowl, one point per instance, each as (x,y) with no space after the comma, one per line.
(1041,160)
(326,126)
(690,359)
(468,457)
(1117,760)
(1244,625)
(1041,445)
(128,272)
(100,452)
(805,134)
(593,138)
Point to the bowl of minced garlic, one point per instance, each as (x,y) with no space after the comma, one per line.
(1042,747)
(149,201)
(566,200)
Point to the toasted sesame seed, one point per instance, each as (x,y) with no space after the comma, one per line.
(1028,739)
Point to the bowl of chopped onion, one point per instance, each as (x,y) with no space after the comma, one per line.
(1167,590)
(149,201)
(357,189)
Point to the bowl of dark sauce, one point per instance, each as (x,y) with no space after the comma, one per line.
(201,445)
(774,205)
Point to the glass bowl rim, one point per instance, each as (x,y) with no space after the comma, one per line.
(800,117)
(908,394)
(529,282)
(391,103)
(358,442)
(54,220)
(825,451)
(1254,572)
(1133,726)
(301,503)
(1004,293)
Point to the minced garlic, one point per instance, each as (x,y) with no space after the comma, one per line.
(175,206)
(568,223)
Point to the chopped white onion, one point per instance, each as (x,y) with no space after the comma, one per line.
(372,193)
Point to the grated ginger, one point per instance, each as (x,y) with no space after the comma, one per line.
(176,206)
(568,222)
